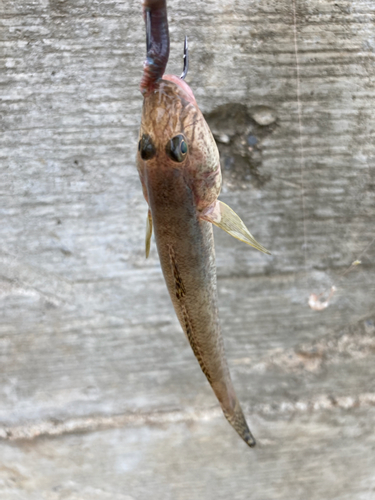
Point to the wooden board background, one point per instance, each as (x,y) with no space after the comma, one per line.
(100,394)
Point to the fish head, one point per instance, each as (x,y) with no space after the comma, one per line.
(175,139)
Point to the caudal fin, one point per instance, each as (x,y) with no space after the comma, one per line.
(237,420)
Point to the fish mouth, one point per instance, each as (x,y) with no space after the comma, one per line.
(183,86)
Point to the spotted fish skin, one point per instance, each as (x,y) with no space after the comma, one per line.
(178,194)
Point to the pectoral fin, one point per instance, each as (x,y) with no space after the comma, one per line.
(223,216)
(148,232)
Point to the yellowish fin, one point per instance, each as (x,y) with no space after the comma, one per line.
(225,218)
(148,232)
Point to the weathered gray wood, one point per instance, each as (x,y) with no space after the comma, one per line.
(88,338)
(300,455)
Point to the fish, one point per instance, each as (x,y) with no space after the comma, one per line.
(179,168)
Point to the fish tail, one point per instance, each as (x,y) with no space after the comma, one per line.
(231,407)
(237,420)
(155,13)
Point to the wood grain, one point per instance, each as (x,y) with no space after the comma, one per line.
(89,343)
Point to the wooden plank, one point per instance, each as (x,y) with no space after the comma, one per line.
(87,331)
(323,455)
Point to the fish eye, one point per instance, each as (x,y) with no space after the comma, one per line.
(146,147)
(177,148)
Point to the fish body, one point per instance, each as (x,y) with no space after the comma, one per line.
(179,167)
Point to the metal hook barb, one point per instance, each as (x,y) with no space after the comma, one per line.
(186,59)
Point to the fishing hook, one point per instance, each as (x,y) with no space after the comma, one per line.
(186,60)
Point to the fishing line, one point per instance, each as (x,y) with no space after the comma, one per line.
(302,153)
(316,302)
(357,261)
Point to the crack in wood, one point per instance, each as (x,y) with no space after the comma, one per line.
(52,428)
